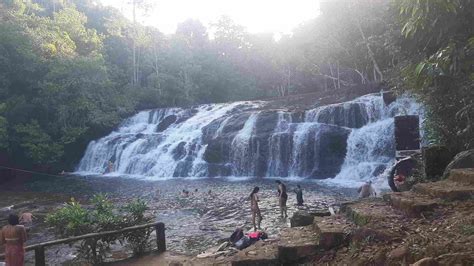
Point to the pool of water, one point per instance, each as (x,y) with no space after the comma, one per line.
(212,211)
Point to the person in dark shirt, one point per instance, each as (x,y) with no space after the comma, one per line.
(282,198)
(299,195)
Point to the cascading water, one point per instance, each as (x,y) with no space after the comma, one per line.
(350,141)
(371,149)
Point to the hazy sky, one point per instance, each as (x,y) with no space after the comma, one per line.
(277,16)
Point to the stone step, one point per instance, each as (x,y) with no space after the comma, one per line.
(297,243)
(261,253)
(325,233)
(446,190)
(334,231)
(369,210)
(303,218)
(411,204)
(463,176)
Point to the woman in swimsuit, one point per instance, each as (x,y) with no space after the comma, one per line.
(282,198)
(13,236)
(255,209)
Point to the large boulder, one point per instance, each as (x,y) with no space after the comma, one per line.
(301,218)
(462,160)
(435,160)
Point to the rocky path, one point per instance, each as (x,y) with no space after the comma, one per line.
(431,225)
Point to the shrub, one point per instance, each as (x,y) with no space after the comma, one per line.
(73,219)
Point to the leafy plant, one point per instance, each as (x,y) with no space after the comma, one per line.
(73,219)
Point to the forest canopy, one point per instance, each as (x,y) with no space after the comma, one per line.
(71,70)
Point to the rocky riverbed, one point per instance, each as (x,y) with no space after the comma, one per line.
(214,208)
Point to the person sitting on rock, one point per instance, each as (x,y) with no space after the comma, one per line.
(366,190)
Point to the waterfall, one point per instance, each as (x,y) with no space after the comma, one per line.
(347,142)
(371,149)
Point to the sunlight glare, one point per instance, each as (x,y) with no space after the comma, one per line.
(275,16)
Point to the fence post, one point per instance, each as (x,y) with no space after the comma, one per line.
(39,256)
(160,237)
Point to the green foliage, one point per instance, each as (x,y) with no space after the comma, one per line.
(72,219)
(102,215)
(70,71)
(440,64)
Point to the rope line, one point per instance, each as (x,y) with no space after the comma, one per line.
(33,172)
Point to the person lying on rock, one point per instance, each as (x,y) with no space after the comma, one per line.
(366,190)
(255,209)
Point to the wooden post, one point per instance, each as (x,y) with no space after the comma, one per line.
(39,256)
(160,237)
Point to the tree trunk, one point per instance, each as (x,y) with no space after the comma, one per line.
(134,52)
(370,52)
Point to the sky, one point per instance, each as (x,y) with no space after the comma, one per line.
(275,16)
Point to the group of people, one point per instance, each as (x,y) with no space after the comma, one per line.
(365,191)
(13,236)
(282,199)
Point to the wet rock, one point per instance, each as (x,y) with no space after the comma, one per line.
(351,114)
(463,159)
(389,97)
(301,218)
(297,117)
(166,122)
(179,152)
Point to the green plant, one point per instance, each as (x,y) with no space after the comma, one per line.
(74,219)
(135,214)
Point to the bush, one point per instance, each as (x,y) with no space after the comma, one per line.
(74,219)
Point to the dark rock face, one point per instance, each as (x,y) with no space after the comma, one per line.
(166,122)
(463,159)
(352,115)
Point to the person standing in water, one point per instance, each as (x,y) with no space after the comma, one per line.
(299,195)
(282,198)
(13,236)
(255,209)
(366,190)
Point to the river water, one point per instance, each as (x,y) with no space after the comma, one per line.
(212,211)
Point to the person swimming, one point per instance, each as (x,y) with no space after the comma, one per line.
(255,209)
